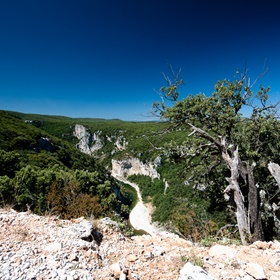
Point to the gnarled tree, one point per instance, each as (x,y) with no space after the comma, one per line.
(222,135)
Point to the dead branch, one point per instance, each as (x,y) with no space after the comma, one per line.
(220,231)
(207,136)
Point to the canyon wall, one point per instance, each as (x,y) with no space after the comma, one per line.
(130,166)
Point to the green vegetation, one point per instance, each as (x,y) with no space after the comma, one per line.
(144,141)
(130,193)
(226,148)
(212,163)
(180,207)
(48,175)
(142,138)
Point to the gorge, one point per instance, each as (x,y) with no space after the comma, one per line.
(140,216)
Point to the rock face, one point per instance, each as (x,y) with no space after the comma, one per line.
(89,143)
(131,166)
(44,144)
(120,143)
(190,271)
(34,247)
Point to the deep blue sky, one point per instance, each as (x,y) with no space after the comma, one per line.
(104,58)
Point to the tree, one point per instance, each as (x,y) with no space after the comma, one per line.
(274,169)
(221,135)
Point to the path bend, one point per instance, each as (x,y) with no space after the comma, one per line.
(140,217)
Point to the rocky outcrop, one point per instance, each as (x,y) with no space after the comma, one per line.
(89,143)
(131,166)
(121,143)
(36,247)
(92,142)
(190,271)
(45,144)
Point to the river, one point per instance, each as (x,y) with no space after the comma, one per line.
(140,216)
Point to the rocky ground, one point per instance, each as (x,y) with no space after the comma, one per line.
(34,247)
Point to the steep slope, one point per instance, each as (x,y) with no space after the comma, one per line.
(140,152)
(47,174)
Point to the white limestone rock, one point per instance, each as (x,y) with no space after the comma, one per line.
(222,251)
(256,271)
(193,272)
(130,166)
(89,143)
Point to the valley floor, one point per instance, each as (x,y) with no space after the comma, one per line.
(140,216)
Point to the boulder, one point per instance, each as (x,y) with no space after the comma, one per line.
(256,271)
(193,272)
(261,245)
(222,251)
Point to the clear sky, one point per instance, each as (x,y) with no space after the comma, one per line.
(104,58)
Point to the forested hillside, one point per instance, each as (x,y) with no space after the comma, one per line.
(47,175)
(194,213)
(189,191)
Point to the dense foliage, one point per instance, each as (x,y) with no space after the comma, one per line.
(189,212)
(142,137)
(189,196)
(48,175)
(227,152)
(194,214)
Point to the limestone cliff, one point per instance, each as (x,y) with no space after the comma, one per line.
(92,142)
(121,143)
(130,166)
(89,143)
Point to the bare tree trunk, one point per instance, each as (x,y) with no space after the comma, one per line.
(274,169)
(254,217)
(237,169)
(234,190)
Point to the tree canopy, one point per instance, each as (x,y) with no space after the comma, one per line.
(235,130)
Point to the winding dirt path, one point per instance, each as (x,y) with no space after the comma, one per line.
(140,217)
